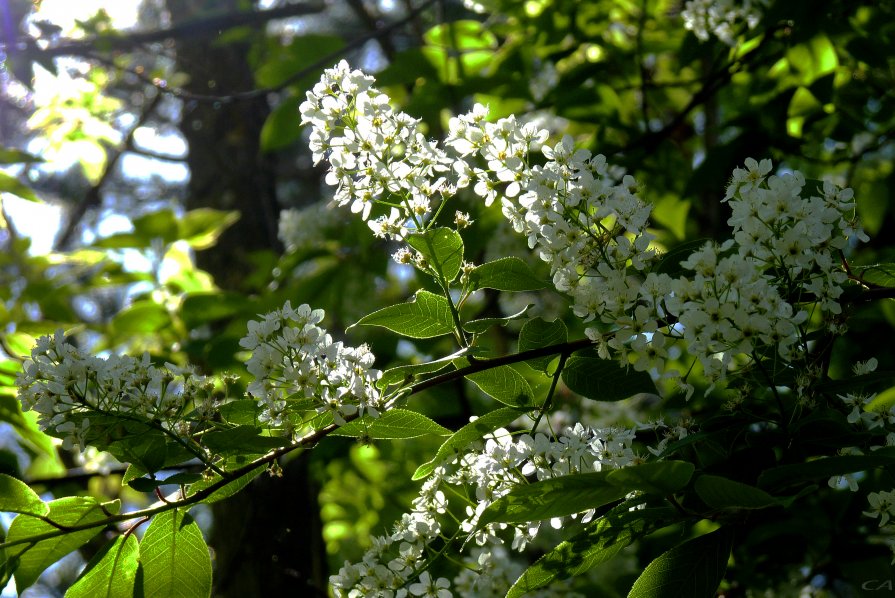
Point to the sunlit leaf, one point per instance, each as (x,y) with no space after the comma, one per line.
(442,248)
(505,274)
(174,557)
(692,569)
(68,511)
(425,316)
(391,425)
(111,573)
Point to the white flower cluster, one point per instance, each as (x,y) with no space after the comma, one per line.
(297,366)
(584,218)
(797,237)
(67,387)
(375,153)
(721,18)
(484,474)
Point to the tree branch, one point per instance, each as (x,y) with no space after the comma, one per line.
(208,26)
(93,198)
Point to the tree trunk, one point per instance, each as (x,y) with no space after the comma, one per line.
(267,540)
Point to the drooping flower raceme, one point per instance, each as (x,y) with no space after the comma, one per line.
(375,153)
(298,366)
(68,387)
(484,474)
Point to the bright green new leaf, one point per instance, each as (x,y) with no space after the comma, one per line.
(505,274)
(111,573)
(442,248)
(427,315)
(17,497)
(175,558)
(722,493)
(504,384)
(474,430)
(600,541)
(393,425)
(604,379)
(693,569)
(537,333)
(201,227)
(68,511)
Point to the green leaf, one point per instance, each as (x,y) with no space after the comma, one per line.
(505,274)
(537,333)
(426,316)
(599,542)
(142,317)
(442,248)
(554,497)
(25,426)
(285,62)
(204,307)
(161,225)
(242,440)
(468,434)
(604,379)
(392,425)
(404,373)
(658,477)
(69,511)
(483,324)
(882,275)
(282,128)
(722,493)
(579,492)
(504,384)
(17,497)
(14,156)
(111,573)
(240,412)
(693,569)
(10,184)
(786,475)
(175,559)
(148,449)
(201,227)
